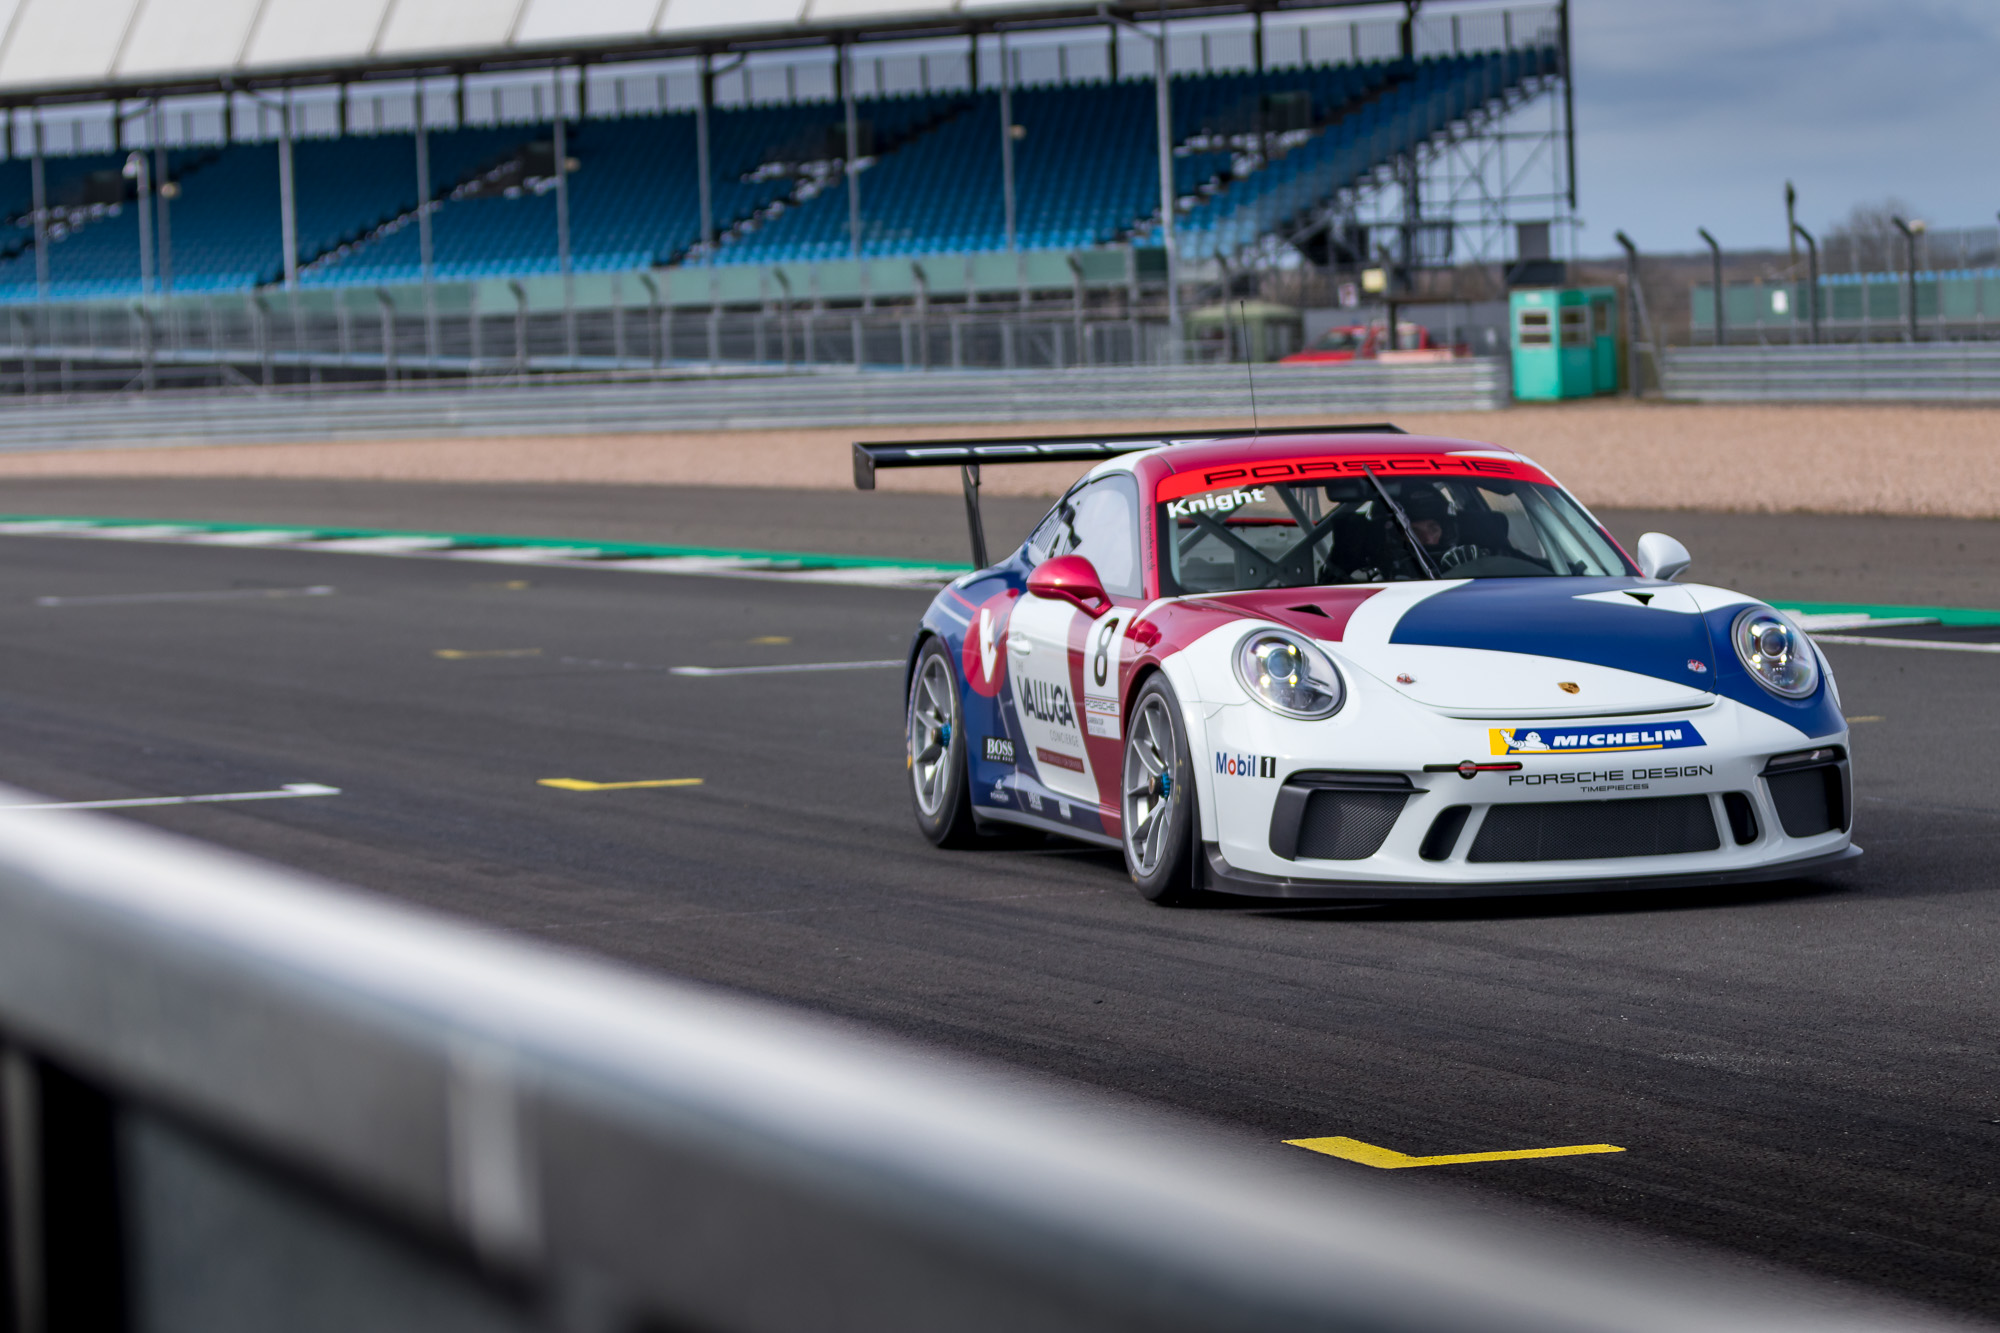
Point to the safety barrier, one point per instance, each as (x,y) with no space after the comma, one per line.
(1903,372)
(237,1100)
(609,406)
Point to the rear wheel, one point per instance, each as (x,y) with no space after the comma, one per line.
(936,754)
(1159,801)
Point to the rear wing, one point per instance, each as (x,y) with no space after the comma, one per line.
(968,455)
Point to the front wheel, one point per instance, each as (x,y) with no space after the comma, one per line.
(1159,801)
(936,753)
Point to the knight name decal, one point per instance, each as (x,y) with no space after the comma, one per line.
(1593,740)
(1245,765)
(1221,502)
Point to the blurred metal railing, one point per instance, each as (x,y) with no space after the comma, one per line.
(1844,372)
(609,405)
(240,1100)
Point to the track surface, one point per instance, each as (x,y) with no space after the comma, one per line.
(1804,1073)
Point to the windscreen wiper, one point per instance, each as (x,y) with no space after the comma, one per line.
(1403,519)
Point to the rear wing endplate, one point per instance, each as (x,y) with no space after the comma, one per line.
(968,455)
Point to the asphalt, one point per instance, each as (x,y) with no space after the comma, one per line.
(1803,1074)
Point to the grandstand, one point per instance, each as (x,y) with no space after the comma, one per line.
(1266,154)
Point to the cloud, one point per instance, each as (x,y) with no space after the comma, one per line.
(1697,112)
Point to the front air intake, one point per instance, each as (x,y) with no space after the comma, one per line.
(1336,816)
(1597,830)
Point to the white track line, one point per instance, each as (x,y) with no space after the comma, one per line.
(793,666)
(287,792)
(224,595)
(1935,645)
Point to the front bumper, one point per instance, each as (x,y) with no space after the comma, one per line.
(1382,827)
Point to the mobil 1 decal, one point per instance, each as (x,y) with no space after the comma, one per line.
(984,658)
(1048,712)
(1101,649)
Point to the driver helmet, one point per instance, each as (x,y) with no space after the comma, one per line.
(1424,506)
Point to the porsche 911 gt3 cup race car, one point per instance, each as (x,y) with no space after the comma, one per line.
(1346,662)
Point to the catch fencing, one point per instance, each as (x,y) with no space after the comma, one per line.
(1847,372)
(644,404)
(237,1100)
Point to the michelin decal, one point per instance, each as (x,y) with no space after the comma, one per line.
(1593,740)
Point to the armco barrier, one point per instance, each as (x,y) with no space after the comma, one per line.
(238,1101)
(1849,372)
(650,404)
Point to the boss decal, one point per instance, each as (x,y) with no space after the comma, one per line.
(1046,702)
(1245,765)
(999,750)
(1593,740)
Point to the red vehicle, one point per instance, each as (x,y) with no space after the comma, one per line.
(1363,342)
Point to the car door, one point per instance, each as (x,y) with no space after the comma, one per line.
(1060,702)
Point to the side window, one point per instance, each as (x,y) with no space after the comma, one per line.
(1103,528)
(1045,543)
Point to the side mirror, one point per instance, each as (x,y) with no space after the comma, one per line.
(1072,579)
(1661,557)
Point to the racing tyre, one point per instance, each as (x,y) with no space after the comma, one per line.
(1159,801)
(936,752)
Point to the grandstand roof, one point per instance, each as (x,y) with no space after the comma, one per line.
(51,49)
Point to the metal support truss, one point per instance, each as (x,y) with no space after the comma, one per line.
(1457,197)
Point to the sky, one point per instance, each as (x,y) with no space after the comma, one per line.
(1694,113)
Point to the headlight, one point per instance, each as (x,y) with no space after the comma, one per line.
(1284,672)
(1776,652)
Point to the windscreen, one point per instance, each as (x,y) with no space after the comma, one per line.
(1300,534)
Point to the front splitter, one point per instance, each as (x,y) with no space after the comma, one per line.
(1224,878)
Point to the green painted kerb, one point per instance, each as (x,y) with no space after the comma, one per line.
(490,540)
(1944,615)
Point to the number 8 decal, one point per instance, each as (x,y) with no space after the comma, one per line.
(1100,666)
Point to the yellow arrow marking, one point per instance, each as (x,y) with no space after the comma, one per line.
(1388,1159)
(578,784)
(772,638)
(457,654)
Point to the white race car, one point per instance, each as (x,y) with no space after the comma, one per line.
(1346,662)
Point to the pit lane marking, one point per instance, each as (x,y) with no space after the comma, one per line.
(1935,645)
(290,791)
(790,666)
(580,784)
(1388,1159)
(460,654)
(217,595)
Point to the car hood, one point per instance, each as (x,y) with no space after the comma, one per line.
(1514,647)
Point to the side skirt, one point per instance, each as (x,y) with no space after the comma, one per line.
(981,817)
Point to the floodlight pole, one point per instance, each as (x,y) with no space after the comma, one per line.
(561,145)
(1632,310)
(1163,123)
(1007,140)
(853,150)
(1715,256)
(1910,268)
(1812,277)
(288,215)
(40,184)
(164,189)
(141,174)
(425,253)
(706,81)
